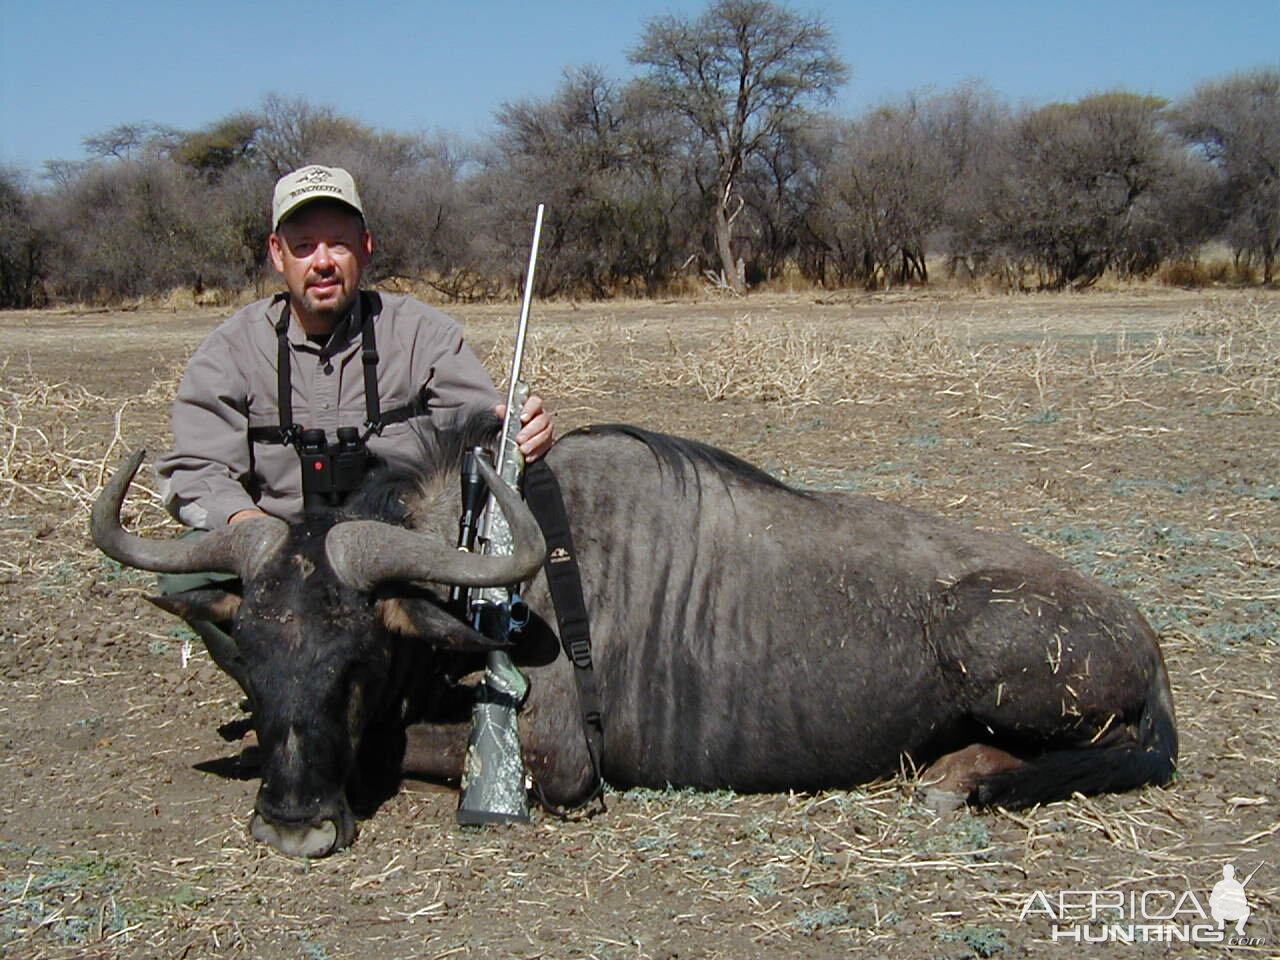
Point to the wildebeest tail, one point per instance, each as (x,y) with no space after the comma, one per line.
(1148,758)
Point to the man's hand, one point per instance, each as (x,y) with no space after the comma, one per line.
(246,515)
(537,431)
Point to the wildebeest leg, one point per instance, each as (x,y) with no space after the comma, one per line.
(1066,673)
(951,778)
(435,751)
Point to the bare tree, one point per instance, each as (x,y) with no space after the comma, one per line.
(125,140)
(966,128)
(883,193)
(737,75)
(22,245)
(294,131)
(1236,123)
(780,186)
(1079,189)
(604,162)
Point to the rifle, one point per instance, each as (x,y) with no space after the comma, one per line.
(493,777)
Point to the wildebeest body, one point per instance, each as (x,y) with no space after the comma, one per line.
(754,637)
(746,635)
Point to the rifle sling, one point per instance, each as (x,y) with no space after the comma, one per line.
(542,493)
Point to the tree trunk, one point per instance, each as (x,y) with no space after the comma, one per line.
(728,266)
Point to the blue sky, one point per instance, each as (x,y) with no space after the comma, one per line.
(70,69)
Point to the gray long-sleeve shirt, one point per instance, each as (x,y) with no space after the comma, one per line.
(231,384)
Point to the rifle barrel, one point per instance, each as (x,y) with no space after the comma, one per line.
(518,357)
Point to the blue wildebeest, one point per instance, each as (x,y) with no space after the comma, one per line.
(747,635)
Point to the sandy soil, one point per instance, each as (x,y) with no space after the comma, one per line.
(1132,432)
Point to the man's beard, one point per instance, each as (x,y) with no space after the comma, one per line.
(334,310)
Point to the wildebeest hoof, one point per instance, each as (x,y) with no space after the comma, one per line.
(941,801)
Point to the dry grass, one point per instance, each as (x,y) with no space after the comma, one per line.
(712,875)
(57,452)
(769,363)
(44,458)
(1230,352)
(565,362)
(1087,446)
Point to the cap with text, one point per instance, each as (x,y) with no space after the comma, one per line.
(309,183)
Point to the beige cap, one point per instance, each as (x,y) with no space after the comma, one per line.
(312,183)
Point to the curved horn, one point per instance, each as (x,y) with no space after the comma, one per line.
(237,548)
(365,553)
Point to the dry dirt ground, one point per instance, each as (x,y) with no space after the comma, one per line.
(1133,432)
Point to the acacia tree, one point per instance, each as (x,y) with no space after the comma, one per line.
(966,128)
(780,187)
(606,165)
(564,151)
(883,193)
(738,74)
(1236,124)
(223,145)
(1082,188)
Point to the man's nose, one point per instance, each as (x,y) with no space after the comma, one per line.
(323,258)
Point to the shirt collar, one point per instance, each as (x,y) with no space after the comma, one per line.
(344,335)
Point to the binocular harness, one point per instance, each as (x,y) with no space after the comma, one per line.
(331,472)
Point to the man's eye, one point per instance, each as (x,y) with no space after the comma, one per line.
(303,249)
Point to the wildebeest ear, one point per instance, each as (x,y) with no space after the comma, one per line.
(423,619)
(204,603)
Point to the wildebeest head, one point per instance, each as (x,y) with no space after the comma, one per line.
(332,618)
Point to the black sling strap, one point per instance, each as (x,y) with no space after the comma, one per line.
(288,431)
(369,360)
(284,370)
(542,493)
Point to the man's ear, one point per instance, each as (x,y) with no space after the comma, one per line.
(204,603)
(424,621)
(275,247)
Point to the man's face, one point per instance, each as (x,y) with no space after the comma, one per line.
(321,251)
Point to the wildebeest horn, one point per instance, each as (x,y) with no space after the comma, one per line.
(237,548)
(365,553)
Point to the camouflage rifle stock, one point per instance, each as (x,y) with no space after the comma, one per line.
(493,777)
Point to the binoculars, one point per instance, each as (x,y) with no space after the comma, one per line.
(330,473)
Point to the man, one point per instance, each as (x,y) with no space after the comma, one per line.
(1228,902)
(231,459)
(343,357)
